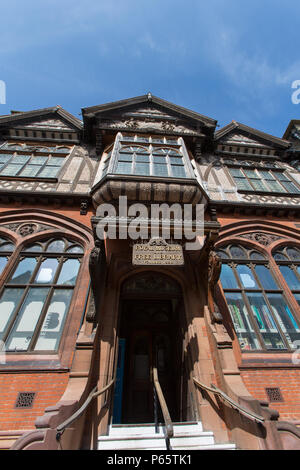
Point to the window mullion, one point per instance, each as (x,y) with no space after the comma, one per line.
(252,319)
(11,323)
(41,319)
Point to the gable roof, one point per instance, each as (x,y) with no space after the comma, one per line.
(294,123)
(234,125)
(56,111)
(149,98)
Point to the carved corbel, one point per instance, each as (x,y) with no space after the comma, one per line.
(97,268)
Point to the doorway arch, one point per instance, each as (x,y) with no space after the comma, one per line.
(151,330)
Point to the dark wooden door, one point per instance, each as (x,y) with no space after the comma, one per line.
(149,339)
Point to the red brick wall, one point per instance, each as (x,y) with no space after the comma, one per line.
(49,388)
(287,380)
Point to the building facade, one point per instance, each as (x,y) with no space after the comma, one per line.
(217,324)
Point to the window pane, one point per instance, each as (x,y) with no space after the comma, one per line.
(265,277)
(33,248)
(49,172)
(160,170)
(290,187)
(279,257)
(285,318)
(54,320)
(159,159)
(290,277)
(142,169)
(265,322)
(7,247)
(124,168)
(258,185)
(55,161)
(20,159)
(8,304)
(178,171)
(69,272)
(256,255)
(125,157)
(46,271)
(246,277)
(4,158)
(30,170)
(241,321)
(11,170)
(228,279)
(24,271)
(57,246)
(3,262)
(293,254)
(38,160)
(176,161)
(22,332)
(142,158)
(75,249)
(237,252)
(297,297)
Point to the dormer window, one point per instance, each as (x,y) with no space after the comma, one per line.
(161,157)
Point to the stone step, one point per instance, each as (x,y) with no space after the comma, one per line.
(188,435)
(132,430)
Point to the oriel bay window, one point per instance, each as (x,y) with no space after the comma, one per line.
(261,316)
(36,297)
(148,156)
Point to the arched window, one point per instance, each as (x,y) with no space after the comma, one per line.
(36,296)
(259,311)
(6,249)
(288,260)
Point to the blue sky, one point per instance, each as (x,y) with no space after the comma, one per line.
(225,59)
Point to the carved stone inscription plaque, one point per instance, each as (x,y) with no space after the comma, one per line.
(157,252)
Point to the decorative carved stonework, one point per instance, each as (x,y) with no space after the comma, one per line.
(25,229)
(84,205)
(262,238)
(97,267)
(214,268)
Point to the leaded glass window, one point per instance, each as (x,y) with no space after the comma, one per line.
(163,157)
(6,249)
(262,318)
(36,297)
(263,180)
(288,260)
(31,161)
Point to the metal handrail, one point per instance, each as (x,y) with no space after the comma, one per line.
(94,393)
(232,403)
(163,404)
